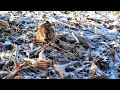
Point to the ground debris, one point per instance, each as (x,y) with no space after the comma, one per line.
(59,44)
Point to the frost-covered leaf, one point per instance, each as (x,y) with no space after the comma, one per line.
(93,68)
(42,55)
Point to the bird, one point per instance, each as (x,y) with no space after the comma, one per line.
(45,33)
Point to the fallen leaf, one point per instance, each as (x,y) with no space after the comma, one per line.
(42,55)
(93,68)
(98,77)
(31,46)
(16,67)
(18,77)
(59,71)
(43,64)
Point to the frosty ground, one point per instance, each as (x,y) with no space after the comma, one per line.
(91,45)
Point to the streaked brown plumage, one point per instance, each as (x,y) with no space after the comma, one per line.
(45,33)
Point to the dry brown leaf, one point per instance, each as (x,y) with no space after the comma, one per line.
(115,13)
(18,77)
(43,64)
(59,71)
(98,77)
(29,60)
(16,67)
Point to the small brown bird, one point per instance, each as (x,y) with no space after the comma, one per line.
(45,33)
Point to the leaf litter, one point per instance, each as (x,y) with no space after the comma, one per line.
(86,45)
